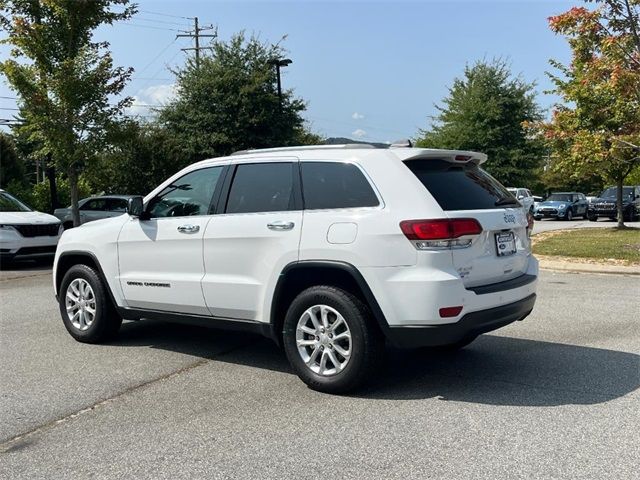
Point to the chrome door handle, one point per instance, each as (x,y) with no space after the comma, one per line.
(280,225)
(188,228)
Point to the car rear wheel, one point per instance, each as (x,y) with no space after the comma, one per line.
(330,339)
(86,309)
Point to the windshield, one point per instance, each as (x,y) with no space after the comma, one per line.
(11,204)
(559,197)
(611,192)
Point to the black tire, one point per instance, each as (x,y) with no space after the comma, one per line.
(537,219)
(67,225)
(593,218)
(106,322)
(367,342)
(586,215)
(569,215)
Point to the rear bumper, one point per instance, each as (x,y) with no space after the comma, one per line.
(470,325)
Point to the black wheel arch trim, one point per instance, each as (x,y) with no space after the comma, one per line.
(345,267)
(83,253)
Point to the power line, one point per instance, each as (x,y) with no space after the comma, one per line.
(164,14)
(158,56)
(163,22)
(129,24)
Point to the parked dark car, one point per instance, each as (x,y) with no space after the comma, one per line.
(562,205)
(94,208)
(606,204)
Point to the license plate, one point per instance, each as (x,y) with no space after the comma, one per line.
(505,244)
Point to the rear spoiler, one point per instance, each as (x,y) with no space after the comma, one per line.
(453,156)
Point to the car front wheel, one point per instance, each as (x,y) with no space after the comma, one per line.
(86,309)
(331,340)
(569,215)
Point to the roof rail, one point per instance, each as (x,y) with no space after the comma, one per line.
(346,146)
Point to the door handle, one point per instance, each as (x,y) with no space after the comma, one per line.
(188,228)
(280,225)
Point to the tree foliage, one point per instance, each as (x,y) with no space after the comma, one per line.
(12,168)
(597,126)
(487,110)
(66,81)
(138,158)
(230,102)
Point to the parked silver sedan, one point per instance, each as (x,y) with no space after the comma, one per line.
(94,208)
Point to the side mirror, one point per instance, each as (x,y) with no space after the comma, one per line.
(520,197)
(135,208)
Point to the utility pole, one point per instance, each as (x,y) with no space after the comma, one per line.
(196,35)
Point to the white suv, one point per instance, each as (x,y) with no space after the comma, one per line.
(326,250)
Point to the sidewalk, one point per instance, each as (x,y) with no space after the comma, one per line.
(565,265)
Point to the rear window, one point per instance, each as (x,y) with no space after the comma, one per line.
(461,187)
(335,185)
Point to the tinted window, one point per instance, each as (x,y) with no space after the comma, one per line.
(189,195)
(335,185)
(559,197)
(96,204)
(11,204)
(261,187)
(612,192)
(117,205)
(461,187)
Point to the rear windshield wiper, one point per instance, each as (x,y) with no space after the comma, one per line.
(506,201)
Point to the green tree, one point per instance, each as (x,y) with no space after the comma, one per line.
(487,110)
(230,102)
(12,168)
(138,158)
(66,79)
(598,124)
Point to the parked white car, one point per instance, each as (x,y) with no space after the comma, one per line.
(325,249)
(24,232)
(524,197)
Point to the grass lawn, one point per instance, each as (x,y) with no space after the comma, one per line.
(594,243)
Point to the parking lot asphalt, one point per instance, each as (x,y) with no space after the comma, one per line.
(554,396)
(548,224)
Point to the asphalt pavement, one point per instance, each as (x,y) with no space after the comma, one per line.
(554,396)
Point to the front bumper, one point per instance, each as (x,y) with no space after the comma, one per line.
(470,325)
(12,244)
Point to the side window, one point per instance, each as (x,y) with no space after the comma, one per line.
(95,204)
(189,195)
(335,185)
(117,205)
(261,187)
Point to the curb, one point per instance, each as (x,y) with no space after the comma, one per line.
(567,267)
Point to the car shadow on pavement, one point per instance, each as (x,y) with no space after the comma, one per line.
(494,370)
(31,264)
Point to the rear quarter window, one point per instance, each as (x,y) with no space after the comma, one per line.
(328,185)
(460,187)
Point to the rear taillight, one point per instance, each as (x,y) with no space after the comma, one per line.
(440,233)
(529,223)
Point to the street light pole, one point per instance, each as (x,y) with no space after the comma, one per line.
(280,62)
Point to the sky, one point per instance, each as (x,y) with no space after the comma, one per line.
(368,70)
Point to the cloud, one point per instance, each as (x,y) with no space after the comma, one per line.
(357,116)
(156,96)
(359,133)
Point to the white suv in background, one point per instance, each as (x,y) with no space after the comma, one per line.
(24,232)
(524,196)
(328,250)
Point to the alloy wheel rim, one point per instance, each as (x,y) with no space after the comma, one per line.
(80,302)
(323,339)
